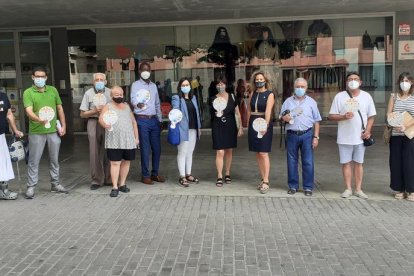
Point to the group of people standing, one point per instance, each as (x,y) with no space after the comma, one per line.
(140,123)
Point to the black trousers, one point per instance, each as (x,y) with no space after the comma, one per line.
(402,164)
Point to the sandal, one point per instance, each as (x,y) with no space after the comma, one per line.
(227,179)
(114,193)
(219,182)
(191,179)
(399,195)
(183,182)
(8,195)
(410,197)
(260,185)
(264,187)
(124,189)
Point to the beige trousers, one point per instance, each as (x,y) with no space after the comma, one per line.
(98,161)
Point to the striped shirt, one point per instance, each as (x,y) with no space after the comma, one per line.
(401,105)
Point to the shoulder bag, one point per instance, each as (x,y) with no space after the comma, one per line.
(368,141)
(388,129)
(173,136)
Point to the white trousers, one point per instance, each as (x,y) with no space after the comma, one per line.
(185,153)
(6,168)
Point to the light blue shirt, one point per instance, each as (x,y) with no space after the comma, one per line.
(310,113)
(153,106)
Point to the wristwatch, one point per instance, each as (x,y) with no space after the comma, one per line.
(316,137)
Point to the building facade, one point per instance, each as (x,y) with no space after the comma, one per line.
(319,48)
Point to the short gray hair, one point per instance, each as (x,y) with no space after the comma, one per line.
(96,74)
(300,79)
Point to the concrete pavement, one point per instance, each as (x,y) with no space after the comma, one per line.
(165,229)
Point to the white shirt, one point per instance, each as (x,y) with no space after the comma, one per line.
(349,131)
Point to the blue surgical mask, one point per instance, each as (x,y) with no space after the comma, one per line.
(260,84)
(300,92)
(220,88)
(185,89)
(99,85)
(40,82)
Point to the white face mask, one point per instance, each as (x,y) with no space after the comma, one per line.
(405,86)
(145,75)
(353,84)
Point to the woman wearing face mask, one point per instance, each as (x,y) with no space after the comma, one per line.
(224,131)
(190,130)
(261,104)
(402,148)
(121,141)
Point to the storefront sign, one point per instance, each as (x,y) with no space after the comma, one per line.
(404,29)
(406,49)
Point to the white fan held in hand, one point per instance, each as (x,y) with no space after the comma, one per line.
(219,104)
(395,119)
(143,97)
(351,105)
(297,111)
(110,118)
(47,113)
(175,117)
(99,99)
(259,125)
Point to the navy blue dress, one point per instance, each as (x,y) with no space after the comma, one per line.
(263,144)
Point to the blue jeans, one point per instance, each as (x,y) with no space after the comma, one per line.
(149,132)
(304,144)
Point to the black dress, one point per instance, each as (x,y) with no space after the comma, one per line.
(256,144)
(224,128)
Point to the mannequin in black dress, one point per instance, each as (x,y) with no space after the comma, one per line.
(224,53)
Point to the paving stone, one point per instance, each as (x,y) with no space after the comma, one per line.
(82,234)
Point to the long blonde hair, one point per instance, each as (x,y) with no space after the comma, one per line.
(265,75)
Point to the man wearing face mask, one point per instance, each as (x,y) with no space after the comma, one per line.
(344,110)
(302,116)
(41,131)
(99,165)
(149,120)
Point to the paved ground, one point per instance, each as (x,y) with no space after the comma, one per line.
(85,234)
(203,230)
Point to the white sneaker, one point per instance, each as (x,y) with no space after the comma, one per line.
(29,193)
(59,189)
(361,194)
(347,193)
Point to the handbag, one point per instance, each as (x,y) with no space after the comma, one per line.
(368,141)
(17,149)
(173,136)
(387,134)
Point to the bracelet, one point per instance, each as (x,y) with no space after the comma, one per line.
(316,137)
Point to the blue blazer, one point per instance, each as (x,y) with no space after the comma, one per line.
(175,102)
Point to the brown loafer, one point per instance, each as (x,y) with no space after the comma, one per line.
(158,178)
(147,180)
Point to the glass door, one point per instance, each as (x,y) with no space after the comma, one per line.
(34,51)
(8,73)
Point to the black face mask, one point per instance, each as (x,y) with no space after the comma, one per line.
(118,100)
